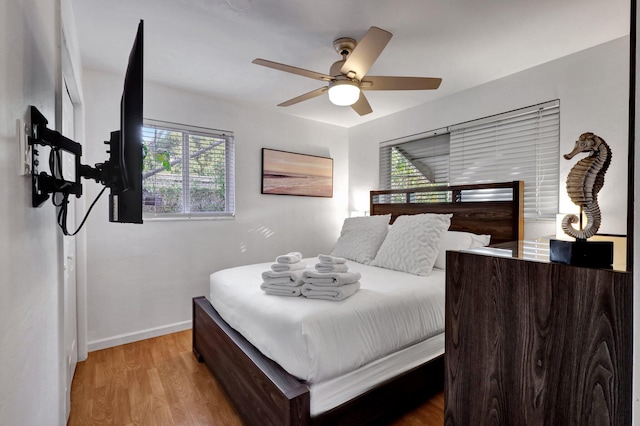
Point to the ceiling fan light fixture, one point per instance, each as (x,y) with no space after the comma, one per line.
(344,92)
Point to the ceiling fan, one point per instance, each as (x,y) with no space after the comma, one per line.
(348,77)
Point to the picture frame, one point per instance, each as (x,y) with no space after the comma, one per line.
(290,173)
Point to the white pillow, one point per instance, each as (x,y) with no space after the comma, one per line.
(454,240)
(361,237)
(412,243)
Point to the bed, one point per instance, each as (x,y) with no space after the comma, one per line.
(264,393)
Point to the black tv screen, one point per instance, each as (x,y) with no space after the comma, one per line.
(125,199)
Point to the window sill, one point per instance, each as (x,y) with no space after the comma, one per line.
(186,218)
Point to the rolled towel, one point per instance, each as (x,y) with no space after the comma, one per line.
(325,258)
(331,267)
(281,290)
(279,267)
(330,278)
(293,257)
(290,278)
(312,291)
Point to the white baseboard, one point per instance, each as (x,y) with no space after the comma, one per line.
(123,339)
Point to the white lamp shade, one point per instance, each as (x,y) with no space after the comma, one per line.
(344,92)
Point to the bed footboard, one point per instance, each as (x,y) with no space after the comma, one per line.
(263,393)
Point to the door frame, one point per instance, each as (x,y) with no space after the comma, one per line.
(70,71)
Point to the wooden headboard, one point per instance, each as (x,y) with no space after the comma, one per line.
(503,220)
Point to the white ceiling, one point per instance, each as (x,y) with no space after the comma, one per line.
(208,45)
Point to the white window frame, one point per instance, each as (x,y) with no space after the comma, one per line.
(187,130)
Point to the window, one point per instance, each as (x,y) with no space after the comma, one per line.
(415,163)
(188,171)
(518,145)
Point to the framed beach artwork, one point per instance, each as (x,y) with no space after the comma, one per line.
(289,173)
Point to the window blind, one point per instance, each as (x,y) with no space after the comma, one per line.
(415,163)
(188,171)
(520,145)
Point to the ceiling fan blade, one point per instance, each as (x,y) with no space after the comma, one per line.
(306,96)
(400,83)
(292,70)
(366,52)
(362,106)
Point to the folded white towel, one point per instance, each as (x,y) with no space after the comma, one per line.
(329,293)
(281,290)
(279,267)
(293,257)
(290,278)
(331,267)
(325,258)
(330,278)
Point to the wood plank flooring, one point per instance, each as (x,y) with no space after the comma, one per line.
(159,382)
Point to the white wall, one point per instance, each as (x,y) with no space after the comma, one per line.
(141,278)
(593,90)
(30,284)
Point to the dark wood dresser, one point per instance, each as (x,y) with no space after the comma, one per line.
(530,342)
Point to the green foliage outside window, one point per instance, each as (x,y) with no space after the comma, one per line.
(405,175)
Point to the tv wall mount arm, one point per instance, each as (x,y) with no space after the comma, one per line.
(44,183)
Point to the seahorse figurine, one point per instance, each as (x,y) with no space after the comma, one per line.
(584,182)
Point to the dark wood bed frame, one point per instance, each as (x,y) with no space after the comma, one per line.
(265,394)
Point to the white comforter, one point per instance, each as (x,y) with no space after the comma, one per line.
(316,340)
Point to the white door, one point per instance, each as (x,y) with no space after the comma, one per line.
(69,252)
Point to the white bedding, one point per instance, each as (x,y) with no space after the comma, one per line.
(333,392)
(317,340)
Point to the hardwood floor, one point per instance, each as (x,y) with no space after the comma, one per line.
(159,382)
